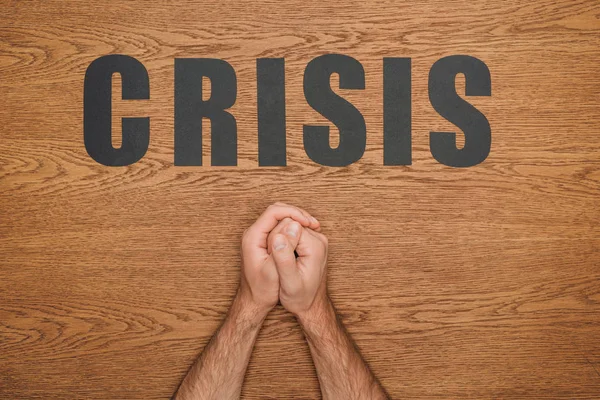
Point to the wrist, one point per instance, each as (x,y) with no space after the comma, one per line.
(321,313)
(245,309)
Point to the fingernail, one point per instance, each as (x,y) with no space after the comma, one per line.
(279,243)
(314,220)
(292,230)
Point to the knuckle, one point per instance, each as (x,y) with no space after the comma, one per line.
(245,236)
(324,244)
(287,258)
(304,212)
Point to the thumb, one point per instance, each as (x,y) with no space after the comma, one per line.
(285,260)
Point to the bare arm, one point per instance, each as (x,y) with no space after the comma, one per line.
(342,372)
(219,372)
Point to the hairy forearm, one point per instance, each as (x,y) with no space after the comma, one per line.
(219,372)
(342,372)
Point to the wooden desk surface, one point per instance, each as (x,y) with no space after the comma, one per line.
(480,282)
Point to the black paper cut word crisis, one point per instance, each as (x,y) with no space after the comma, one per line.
(191,109)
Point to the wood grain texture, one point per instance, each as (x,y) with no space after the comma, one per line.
(478,283)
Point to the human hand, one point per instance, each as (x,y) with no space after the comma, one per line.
(259,283)
(342,372)
(302,280)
